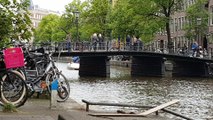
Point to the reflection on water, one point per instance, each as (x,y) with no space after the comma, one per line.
(196,94)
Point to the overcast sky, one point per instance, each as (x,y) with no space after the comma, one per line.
(56,5)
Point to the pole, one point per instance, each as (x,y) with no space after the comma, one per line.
(78,44)
(77,29)
(53,99)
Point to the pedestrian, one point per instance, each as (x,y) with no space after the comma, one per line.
(68,38)
(94,41)
(128,40)
(139,43)
(200,52)
(100,40)
(194,48)
(119,40)
(134,43)
(184,49)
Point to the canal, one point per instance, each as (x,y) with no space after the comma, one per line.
(195,94)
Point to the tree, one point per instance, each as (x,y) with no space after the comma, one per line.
(48,30)
(128,17)
(93,15)
(158,11)
(121,19)
(96,16)
(163,9)
(70,26)
(197,16)
(57,28)
(15,22)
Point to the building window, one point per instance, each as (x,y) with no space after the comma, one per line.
(172,25)
(179,23)
(176,26)
(182,23)
(34,24)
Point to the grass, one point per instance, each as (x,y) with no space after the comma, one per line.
(8,107)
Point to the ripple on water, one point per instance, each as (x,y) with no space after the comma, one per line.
(196,95)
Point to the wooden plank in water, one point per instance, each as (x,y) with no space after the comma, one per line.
(158,107)
(143,114)
(114,115)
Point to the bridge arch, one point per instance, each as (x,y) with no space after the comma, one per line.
(143,63)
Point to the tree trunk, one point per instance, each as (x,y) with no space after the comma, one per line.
(170,44)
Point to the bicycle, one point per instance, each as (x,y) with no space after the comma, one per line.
(13,88)
(44,69)
(63,84)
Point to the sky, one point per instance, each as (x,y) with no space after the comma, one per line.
(56,5)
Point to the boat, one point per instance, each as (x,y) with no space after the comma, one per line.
(74,64)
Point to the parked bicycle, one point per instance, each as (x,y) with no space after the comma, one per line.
(40,71)
(13,88)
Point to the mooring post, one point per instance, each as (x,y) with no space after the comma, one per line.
(53,99)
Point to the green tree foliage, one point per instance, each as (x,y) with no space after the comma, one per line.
(97,16)
(15,22)
(48,29)
(71,22)
(163,9)
(121,19)
(135,17)
(93,15)
(197,16)
(129,17)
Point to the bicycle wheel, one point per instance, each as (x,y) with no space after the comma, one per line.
(22,72)
(27,81)
(63,86)
(13,89)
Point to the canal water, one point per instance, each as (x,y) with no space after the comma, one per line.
(195,94)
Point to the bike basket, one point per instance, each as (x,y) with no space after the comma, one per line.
(13,57)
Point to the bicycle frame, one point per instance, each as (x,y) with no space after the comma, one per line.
(33,81)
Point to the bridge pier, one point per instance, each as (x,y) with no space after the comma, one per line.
(94,66)
(190,69)
(147,66)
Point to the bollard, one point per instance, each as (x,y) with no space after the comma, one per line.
(53,99)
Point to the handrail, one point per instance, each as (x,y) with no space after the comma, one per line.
(85,46)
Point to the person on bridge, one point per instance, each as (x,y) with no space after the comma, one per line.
(119,43)
(68,38)
(138,44)
(128,40)
(101,41)
(194,48)
(94,41)
(200,52)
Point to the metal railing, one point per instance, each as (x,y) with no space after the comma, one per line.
(114,46)
(100,46)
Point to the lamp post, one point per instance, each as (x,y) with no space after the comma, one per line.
(199,20)
(76,13)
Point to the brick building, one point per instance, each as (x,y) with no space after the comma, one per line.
(179,19)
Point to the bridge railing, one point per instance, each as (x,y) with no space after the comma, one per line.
(87,46)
